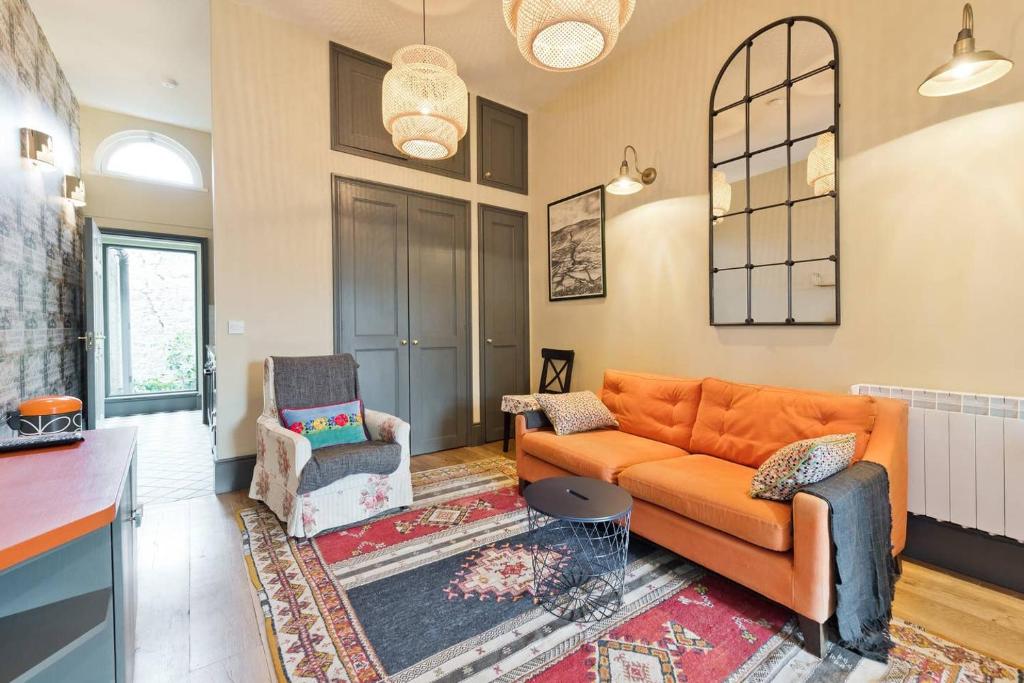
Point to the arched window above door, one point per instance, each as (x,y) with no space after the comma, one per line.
(149,157)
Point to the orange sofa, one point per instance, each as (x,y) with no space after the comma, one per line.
(686,449)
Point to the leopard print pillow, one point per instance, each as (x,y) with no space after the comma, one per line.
(801,463)
(577,411)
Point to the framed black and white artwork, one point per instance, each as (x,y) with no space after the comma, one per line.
(576,263)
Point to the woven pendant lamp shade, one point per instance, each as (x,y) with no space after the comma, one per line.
(821,165)
(565,35)
(721,196)
(425,103)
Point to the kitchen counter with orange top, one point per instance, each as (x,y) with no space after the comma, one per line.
(54,495)
(67,560)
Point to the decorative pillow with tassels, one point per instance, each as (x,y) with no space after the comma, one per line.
(801,463)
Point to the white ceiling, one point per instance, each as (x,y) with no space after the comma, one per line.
(472,31)
(116,53)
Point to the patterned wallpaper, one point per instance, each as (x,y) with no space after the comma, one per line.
(40,236)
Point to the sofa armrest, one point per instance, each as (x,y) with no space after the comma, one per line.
(888,447)
(281,450)
(813,578)
(532,421)
(384,427)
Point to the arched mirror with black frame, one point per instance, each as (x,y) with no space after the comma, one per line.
(773,179)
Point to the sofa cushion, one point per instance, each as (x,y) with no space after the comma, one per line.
(653,406)
(746,423)
(713,492)
(600,454)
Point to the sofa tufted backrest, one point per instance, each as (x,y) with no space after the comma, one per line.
(653,406)
(747,423)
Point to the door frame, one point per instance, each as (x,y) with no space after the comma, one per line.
(336,180)
(525,380)
(162,402)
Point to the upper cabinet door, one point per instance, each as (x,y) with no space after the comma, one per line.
(356,104)
(503,146)
(357,126)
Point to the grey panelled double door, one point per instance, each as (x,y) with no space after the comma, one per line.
(402,290)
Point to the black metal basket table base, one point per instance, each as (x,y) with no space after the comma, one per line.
(579,531)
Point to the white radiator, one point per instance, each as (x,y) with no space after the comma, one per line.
(966,457)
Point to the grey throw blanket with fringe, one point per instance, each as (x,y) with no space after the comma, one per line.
(860,523)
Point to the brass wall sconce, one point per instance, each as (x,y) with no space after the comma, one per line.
(969,68)
(37,148)
(631,183)
(74,190)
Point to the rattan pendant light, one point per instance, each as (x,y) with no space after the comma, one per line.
(721,196)
(565,35)
(821,165)
(425,104)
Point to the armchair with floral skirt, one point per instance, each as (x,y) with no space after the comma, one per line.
(312,489)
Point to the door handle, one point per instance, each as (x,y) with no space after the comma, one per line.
(404,342)
(487,174)
(90,339)
(136,516)
(490,341)
(415,342)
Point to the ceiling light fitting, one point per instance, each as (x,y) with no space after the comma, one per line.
(821,165)
(631,183)
(969,68)
(425,105)
(566,35)
(721,196)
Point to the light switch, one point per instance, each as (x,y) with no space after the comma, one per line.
(236,327)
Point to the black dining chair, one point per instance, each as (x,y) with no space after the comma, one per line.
(555,378)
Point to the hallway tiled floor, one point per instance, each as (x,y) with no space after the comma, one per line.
(174,457)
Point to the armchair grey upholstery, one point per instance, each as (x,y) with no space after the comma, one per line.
(314,490)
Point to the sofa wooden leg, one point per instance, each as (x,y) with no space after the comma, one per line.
(814,636)
(898,561)
(522,485)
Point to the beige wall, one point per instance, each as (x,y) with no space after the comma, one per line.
(932,207)
(121,203)
(272,174)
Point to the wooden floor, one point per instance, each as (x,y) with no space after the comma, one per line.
(197,622)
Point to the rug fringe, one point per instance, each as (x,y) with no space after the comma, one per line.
(268,634)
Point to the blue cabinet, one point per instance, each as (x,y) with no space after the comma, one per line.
(69,613)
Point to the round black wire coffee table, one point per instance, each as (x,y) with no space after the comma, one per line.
(579,531)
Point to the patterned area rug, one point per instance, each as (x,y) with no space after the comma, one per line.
(443,592)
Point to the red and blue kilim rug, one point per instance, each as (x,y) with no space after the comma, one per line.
(443,592)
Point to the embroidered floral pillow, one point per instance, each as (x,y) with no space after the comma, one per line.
(801,463)
(577,411)
(328,425)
